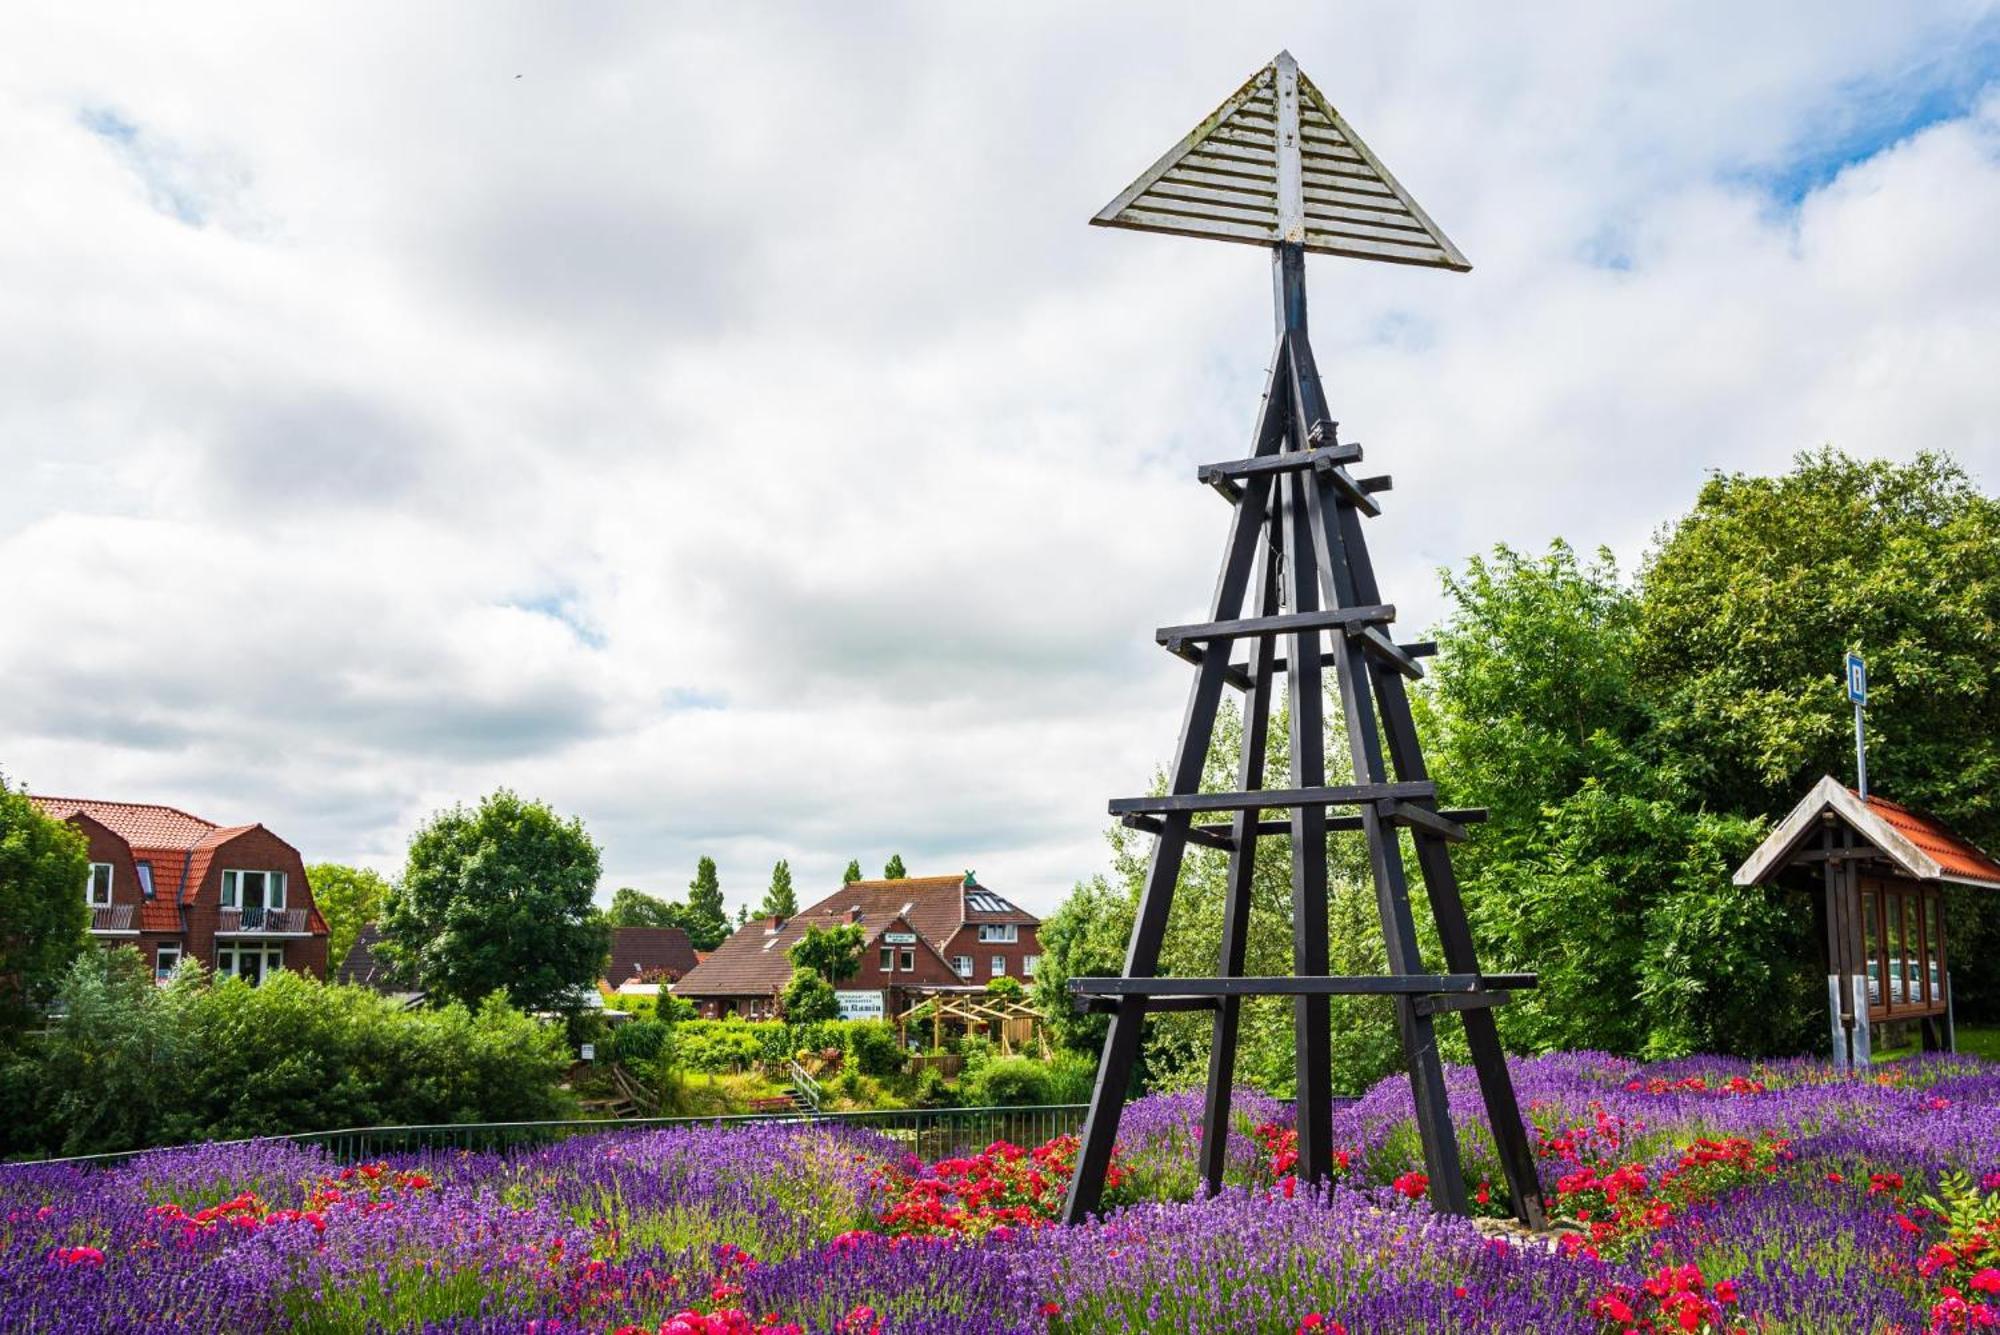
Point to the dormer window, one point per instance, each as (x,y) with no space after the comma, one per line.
(145,878)
(253,889)
(98,888)
(1004,933)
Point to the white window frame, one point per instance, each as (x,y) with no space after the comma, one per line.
(90,885)
(232,887)
(888,959)
(1030,963)
(908,960)
(999,963)
(162,969)
(999,933)
(228,957)
(962,965)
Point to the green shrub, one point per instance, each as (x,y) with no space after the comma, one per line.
(1009,1082)
(637,1042)
(872,1046)
(130,1064)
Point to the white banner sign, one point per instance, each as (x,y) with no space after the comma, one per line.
(859,1005)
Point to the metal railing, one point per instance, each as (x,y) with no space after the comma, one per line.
(803,1082)
(111,918)
(286,921)
(929,1133)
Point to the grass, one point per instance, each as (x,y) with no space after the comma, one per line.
(1974,1040)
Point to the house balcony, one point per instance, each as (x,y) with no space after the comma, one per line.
(263,922)
(113,920)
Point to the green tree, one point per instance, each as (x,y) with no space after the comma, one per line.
(498,898)
(349,898)
(852,874)
(703,917)
(831,952)
(44,909)
(780,900)
(1600,868)
(1751,601)
(636,908)
(808,998)
(1084,938)
(894,871)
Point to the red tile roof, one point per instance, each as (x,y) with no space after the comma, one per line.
(1958,856)
(140,824)
(752,961)
(640,951)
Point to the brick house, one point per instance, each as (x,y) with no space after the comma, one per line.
(175,887)
(921,934)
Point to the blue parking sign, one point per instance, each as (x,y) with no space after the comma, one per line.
(1857,679)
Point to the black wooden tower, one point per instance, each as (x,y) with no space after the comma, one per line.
(1276,165)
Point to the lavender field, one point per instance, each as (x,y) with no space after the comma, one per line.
(1704,1195)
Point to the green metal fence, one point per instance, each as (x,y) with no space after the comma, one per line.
(931,1133)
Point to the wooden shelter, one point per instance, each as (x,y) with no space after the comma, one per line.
(1276,165)
(1880,871)
(1014,1023)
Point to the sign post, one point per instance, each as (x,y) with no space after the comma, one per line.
(1857,691)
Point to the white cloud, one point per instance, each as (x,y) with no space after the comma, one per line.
(728,430)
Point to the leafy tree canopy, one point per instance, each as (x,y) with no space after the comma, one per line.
(894,871)
(349,898)
(498,898)
(852,874)
(44,908)
(780,900)
(703,917)
(635,908)
(808,998)
(831,952)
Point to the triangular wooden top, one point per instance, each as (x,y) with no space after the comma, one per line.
(1276,163)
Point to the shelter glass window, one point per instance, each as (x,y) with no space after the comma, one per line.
(1871,930)
(1934,956)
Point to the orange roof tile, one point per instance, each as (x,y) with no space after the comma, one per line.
(155,916)
(1958,856)
(137,823)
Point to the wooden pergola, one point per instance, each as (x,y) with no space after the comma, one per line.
(1012,1021)
(1880,871)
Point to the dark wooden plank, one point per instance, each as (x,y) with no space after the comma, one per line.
(1373,640)
(1208,836)
(1243,831)
(1467,1001)
(1373,485)
(1350,824)
(1286,623)
(1154,1005)
(1273,798)
(1291,461)
(1409,813)
(1289,985)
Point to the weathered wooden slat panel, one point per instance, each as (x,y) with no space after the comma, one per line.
(1149,220)
(1250,201)
(1242,184)
(1340,197)
(1355,248)
(1236,153)
(1328,214)
(1154,201)
(1354,182)
(1340,227)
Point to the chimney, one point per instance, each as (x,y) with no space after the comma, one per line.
(773,923)
(854,915)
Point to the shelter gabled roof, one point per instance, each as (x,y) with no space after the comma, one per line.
(1920,846)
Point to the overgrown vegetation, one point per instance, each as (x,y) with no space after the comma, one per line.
(130,1064)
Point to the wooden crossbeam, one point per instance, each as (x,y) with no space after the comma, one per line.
(1154,1005)
(1367,486)
(1467,1001)
(1239,673)
(1388,650)
(1352,794)
(1371,485)
(1209,836)
(1458,816)
(1326,456)
(1424,818)
(1285,623)
(1291,985)
(1353,493)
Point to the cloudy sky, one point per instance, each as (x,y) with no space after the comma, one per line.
(719,421)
